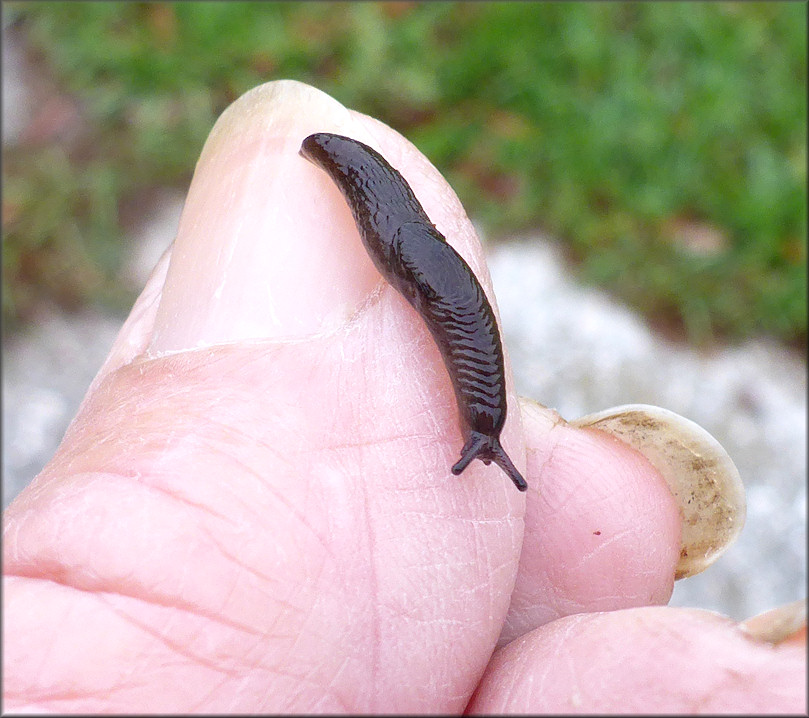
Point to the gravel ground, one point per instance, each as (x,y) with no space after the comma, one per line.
(572,348)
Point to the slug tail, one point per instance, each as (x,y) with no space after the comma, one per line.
(488,449)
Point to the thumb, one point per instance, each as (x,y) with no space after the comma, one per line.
(234,504)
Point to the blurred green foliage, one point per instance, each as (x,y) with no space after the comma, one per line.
(664,143)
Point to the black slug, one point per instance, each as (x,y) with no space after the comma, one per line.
(416,259)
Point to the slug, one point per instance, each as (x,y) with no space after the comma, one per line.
(417,260)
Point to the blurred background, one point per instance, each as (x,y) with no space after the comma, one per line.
(637,172)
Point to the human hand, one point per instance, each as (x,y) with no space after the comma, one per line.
(253,509)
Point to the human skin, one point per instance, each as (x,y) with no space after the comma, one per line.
(253,511)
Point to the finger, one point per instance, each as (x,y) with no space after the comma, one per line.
(645,660)
(602,529)
(264,461)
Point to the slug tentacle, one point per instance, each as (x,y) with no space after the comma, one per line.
(488,449)
(417,260)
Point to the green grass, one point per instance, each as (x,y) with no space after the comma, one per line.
(619,128)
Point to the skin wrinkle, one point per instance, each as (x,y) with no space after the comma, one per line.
(11,536)
(561,501)
(343,705)
(149,597)
(313,669)
(185,607)
(281,458)
(605,494)
(204,698)
(228,430)
(301,632)
(445,630)
(432,621)
(506,568)
(547,456)
(481,552)
(379,442)
(122,684)
(509,520)
(278,496)
(561,650)
(242,690)
(344,667)
(409,611)
(373,588)
(332,687)
(37,703)
(290,607)
(428,409)
(728,681)
(240,575)
(510,688)
(277,672)
(48,653)
(271,630)
(174,496)
(333,691)
(722,676)
(19,571)
(592,555)
(217,666)
(295,678)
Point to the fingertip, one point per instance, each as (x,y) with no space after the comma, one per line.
(601,527)
(643,660)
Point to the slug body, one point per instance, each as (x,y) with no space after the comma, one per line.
(416,259)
